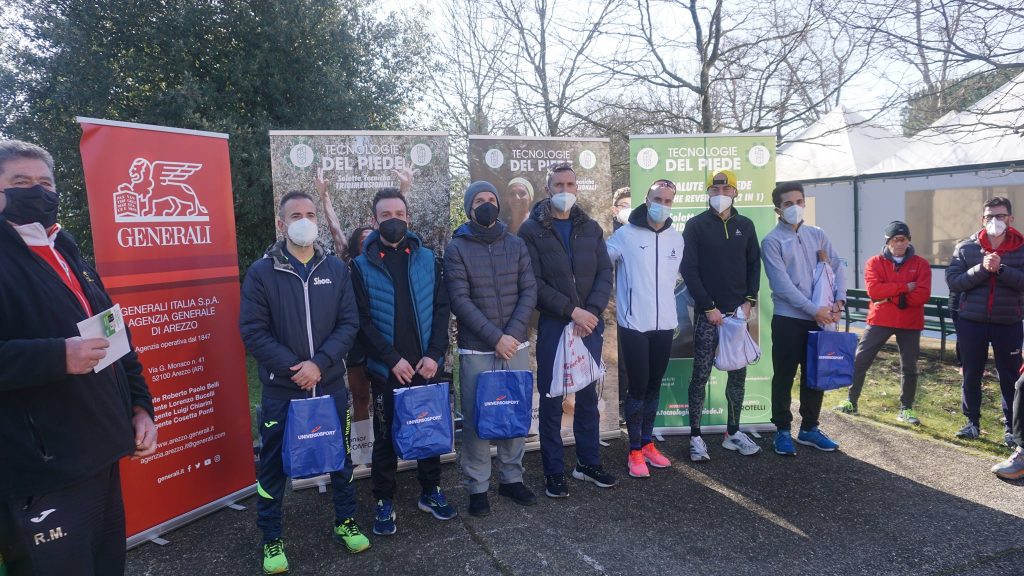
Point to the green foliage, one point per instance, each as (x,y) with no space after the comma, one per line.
(928,105)
(230,66)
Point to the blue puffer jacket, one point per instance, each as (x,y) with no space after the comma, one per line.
(987,297)
(380,288)
(491,287)
(285,321)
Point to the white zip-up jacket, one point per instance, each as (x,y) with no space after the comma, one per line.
(646,269)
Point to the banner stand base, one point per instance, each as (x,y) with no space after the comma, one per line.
(155,533)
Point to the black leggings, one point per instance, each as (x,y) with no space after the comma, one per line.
(646,355)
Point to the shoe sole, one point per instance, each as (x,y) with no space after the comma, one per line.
(735,448)
(1010,476)
(911,422)
(585,478)
(656,465)
(433,512)
(781,453)
(385,533)
(704,458)
(479,513)
(284,571)
(813,445)
(631,475)
(550,495)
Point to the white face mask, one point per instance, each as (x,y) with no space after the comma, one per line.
(995,227)
(302,232)
(623,216)
(793,214)
(563,201)
(658,213)
(721,202)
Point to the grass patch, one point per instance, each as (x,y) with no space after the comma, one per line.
(937,402)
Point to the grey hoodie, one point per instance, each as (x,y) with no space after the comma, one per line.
(789,259)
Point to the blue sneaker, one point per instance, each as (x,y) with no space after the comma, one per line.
(784,443)
(815,437)
(437,504)
(384,523)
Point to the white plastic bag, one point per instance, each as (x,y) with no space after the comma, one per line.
(823,290)
(736,348)
(574,367)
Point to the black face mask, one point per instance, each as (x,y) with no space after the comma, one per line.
(486,214)
(28,205)
(393,230)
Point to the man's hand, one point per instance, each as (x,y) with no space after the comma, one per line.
(403,371)
(81,355)
(307,374)
(426,367)
(145,433)
(585,322)
(746,307)
(507,347)
(715,317)
(991,262)
(824,315)
(911,286)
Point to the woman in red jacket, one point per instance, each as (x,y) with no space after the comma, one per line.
(899,284)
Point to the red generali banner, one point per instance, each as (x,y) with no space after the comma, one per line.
(163,231)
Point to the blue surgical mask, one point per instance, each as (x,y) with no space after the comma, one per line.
(658,213)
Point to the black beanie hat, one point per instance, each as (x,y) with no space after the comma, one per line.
(896,228)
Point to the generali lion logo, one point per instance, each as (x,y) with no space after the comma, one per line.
(158,192)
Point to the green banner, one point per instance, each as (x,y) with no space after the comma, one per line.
(689,161)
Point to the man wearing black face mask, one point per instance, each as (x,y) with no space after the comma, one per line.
(64,426)
(403,318)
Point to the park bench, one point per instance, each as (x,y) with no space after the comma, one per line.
(936,315)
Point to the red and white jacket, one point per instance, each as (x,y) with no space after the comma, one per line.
(886,281)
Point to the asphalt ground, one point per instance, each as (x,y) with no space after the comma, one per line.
(889,502)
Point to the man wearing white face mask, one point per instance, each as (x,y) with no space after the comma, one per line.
(646,254)
(298,320)
(790,254)
(988,272)
(722,270)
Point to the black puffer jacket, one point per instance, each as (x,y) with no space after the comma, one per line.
(987,297)
(491,287)
(561,287)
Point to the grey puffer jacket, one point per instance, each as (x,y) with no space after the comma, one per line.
(987,297)
(491,287)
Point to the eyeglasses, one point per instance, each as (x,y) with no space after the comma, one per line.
(1000,217)
(663,184)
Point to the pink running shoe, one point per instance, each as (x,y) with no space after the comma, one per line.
(637,466)
(653,457)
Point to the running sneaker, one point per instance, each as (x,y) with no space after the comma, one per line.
(1009,441)
(384,523)
(654,457)
(595,474)
(846,407)
(818,439)
(274,560)
(784,443)
(742,442)
(349,534)
(1013,467)
(969,431)
(698,449)
(435,503)
(554,486)
(518,492)
(909,416)
(637,465)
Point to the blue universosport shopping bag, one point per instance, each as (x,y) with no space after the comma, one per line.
(422,425)
(830,359)
(314,439)
(504,400)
